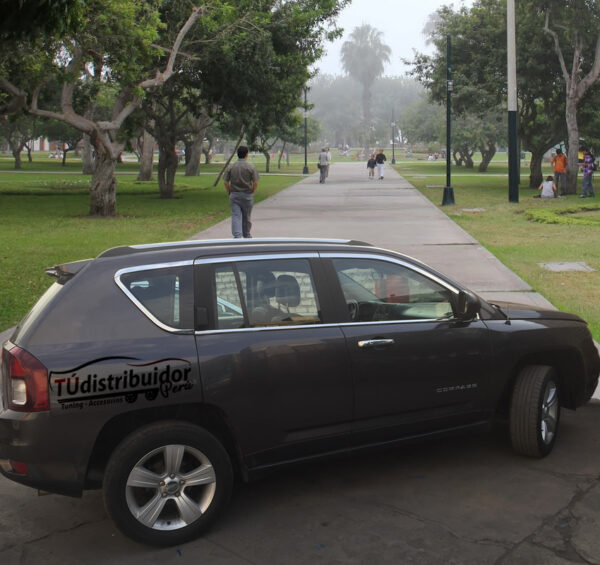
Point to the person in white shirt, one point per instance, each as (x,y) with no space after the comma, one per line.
(548,188)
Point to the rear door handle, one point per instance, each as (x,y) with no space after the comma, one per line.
(374,343)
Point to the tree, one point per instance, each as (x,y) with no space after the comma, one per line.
(575,31)
(28,18)
(479,70)
(67,136)
(423,122)
(266,53)
(363,58)
(18,129)
(116,42)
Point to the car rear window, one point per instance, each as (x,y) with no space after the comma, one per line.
(165,294)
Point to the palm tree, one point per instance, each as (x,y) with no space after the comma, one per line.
(363,58)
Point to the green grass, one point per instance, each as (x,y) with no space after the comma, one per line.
(44,222)
(510,232)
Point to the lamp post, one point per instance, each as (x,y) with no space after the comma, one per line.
(513,149)
(393,138)
(305,170)
(448,198)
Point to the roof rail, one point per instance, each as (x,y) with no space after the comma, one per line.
(128,249)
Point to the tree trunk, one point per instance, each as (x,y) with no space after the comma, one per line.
(458,160)
(366,100)
(268,159)
(280,156)
(192,168)
(29,157)
(208,150)
(64,158)
(573,151)
(16,153)
(487,154)
(87,158)
(535,169)
(104,185)
(466,156)
(167,166)
(146,157)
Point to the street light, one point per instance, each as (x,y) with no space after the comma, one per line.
(513,149)
(305,170)
(448,197)
(393,138)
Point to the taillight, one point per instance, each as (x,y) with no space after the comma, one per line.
(25,380)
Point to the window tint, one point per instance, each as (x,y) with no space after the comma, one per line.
(166,293)
(230,314)
(377,290)
(274,293)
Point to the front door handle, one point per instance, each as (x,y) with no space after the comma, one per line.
(374,343)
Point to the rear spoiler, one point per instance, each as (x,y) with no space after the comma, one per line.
(67,271)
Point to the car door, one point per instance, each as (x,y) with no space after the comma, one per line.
(415,368)
(268,360)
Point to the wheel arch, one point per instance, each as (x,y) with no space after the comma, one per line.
(570,370)
(209,417)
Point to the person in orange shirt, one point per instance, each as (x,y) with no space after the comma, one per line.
(559,163)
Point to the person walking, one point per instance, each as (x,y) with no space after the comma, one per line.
(371,163)
(587,190)
(328,151)
(559,164)
(323,165)
(548,188)
(380,160)
(241,182)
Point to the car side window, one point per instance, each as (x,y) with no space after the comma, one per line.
(278,292)
(167,294)
(378,290)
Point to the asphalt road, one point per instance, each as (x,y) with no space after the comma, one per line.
(462,500)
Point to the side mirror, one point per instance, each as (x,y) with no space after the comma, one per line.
(468,306)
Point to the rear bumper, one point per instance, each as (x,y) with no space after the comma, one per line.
(49,449)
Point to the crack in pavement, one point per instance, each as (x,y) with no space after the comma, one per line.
(557,523)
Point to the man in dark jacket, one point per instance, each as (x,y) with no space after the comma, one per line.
(380,159)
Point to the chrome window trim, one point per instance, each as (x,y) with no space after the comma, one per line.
(272,256)
(330,325)
(139,305)
(256,257)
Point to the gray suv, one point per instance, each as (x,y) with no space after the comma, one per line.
(160,373)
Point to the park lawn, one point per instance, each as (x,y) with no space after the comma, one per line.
(44,222)
(41,163)
(521,244)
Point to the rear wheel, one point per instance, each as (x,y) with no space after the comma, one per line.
(167,482)
(535,411)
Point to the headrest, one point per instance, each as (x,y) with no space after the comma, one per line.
(287,291)
(265,284)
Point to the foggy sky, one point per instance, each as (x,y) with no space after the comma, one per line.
(400,21)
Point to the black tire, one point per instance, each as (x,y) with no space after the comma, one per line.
(167,482)
(535,411)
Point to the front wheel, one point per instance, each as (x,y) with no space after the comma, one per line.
(166,483)
(535,411)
